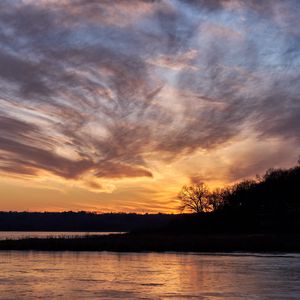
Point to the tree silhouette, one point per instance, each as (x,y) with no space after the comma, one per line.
(195,198)
(240,195)
(216,199)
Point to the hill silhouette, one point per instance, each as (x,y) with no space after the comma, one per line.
(80,221)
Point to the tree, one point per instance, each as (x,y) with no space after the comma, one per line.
(240,195)
(195,198)
(216,199)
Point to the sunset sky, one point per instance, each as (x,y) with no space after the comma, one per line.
(114,105)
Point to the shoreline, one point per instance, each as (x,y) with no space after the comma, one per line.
(200,243)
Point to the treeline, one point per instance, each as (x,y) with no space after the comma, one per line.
(80,221)
(270,203)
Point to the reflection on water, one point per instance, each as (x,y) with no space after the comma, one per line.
(102,275)
(14,235)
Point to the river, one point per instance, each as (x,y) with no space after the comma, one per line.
(104,275)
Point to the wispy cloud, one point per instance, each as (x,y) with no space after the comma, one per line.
(84,83)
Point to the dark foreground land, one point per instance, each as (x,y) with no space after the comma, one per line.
(162,242)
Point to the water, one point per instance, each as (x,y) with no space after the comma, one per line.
(14,235)
(104,275)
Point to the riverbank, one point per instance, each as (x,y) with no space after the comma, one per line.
(162,242)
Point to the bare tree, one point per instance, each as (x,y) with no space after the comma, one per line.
(195,198)
(216,199)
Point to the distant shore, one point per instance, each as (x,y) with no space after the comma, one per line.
(162,243)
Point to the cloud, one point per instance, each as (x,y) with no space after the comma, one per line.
(85,84)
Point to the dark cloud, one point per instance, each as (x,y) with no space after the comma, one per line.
(84,84)
(24,73)
(209,5)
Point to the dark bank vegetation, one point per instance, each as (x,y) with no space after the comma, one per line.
(163,242)
(270,203)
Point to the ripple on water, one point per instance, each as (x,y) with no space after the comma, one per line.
(103,275)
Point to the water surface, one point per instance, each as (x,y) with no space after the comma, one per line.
(103,275)
(15,235)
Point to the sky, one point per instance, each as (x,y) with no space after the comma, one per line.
(112,106)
